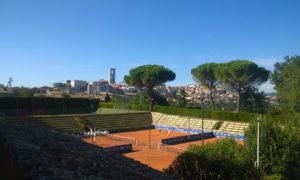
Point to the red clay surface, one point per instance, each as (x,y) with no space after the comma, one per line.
(153,157)
(104,142)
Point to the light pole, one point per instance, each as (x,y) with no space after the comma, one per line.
(149,131)
(189,121)
(202,100)
(258,119)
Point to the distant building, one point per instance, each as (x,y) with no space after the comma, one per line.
(2,87)
(59,85)
(128,90)
(98,87)
(112,75)
(6,93)
(77,85)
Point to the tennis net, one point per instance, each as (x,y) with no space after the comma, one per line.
(170,148)
(130,140)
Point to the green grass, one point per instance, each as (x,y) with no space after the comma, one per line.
(115,111)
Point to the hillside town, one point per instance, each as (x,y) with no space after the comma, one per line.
(99,88)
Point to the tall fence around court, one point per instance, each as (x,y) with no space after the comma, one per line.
(24,106)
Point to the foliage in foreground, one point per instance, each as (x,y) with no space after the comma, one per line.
(279,148)
(279,155)
(224,159)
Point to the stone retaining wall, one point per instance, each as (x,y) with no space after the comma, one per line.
(43,153)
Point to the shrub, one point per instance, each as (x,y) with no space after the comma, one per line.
(217,125)
(107,98)
(121,106)
(224,159)
(140,107)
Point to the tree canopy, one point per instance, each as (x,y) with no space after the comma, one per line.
(286,78)
(279,147)
(181,98)
(241,74)
(253,101)
(149,76)
(205,75)
(107,98)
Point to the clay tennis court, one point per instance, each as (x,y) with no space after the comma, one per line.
(104,142)
(153,157)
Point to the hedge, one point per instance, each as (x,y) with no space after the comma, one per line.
(141,107)
(207,114)
(107,105)
(218,115)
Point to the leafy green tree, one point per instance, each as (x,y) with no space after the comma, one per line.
(286,78)
(107,98)
(25,92)
(83,123)
(279,148)
(224,159)
(240,75)
(253,101)
(120,99)
(140,97)
(59,85)
(149,76)
(181,98)
(205,75)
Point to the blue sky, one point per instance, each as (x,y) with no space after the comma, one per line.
(46,41)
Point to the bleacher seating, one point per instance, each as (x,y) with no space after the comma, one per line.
(196,123)
(182,121)
(63,123)
(67,123)
(234,127)
(124,121)
(128,121)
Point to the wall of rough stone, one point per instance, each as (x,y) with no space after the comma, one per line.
(8,167)
(43,153)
